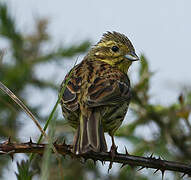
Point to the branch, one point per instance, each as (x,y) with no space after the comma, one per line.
(10,148)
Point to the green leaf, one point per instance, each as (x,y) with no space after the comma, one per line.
(24,172)
(144,68)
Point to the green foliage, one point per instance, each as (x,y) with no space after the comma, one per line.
(24,172)
(45,173)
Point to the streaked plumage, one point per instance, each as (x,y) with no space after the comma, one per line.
(97,95)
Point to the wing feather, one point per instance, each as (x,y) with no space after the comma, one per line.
(108,92)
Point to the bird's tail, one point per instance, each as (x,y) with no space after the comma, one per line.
(90,134)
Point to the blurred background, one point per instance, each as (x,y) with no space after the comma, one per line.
(41,41)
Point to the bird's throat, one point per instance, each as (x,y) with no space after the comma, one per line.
(124,66)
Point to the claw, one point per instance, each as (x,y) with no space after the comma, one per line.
(113,150)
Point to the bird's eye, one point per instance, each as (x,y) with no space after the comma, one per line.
(114,48)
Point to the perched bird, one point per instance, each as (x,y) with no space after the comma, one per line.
(98,93)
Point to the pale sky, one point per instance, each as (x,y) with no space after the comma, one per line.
(159,29)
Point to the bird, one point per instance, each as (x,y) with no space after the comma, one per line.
(97,93)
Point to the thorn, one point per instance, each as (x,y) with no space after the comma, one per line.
(64,143)
(11,155)
(94,160)
(181,99)
(55,142)
(141,168)
(30,141)
(183,175)
(103,162)
(110,166)
(124,164)
(156,171)
(151,156)
(162,171)
(159,158)
(126,152)
(9,140)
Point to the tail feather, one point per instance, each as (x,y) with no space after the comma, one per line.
(76,140)
(90,135)
(103,144)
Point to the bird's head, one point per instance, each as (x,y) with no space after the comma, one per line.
(115,49)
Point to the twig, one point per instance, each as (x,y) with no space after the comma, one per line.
(10,148)
(26,110)
(54,108)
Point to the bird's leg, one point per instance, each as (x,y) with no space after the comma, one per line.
(113,150)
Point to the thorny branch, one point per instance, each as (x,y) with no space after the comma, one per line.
(10,148)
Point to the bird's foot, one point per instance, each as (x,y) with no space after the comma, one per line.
(113,151)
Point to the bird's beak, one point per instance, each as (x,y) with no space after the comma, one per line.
(132,56)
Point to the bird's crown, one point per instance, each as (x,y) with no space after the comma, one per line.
(116,37)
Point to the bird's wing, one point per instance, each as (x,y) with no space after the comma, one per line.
(110,88)
(69,98)
(69,102)
(108,91)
